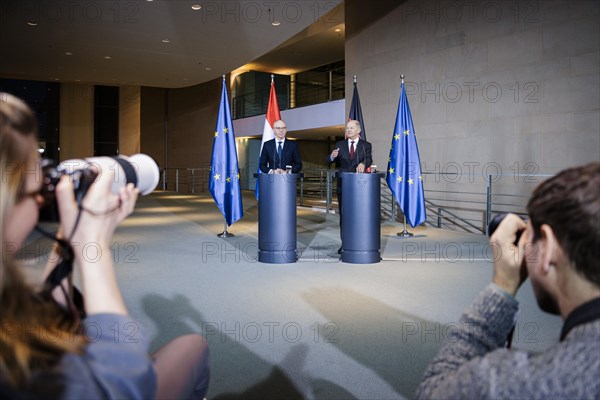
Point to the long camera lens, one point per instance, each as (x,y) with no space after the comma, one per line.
(139,169)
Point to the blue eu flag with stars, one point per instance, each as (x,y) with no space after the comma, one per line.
(224,182)
(404,168)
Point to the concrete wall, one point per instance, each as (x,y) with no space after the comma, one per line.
(129,120)
(512,84)
(76,121)
(152,124)
(192,115)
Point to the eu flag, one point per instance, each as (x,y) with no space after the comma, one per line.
(404,168)
(356,112)
(224,182)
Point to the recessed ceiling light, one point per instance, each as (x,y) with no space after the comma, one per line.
(196,7)
(208,68)
(68,53)
(166,41)
(337,30)
(107,57)
(32,23)
(275,23)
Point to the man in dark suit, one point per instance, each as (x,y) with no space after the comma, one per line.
(278,153)
(350,155)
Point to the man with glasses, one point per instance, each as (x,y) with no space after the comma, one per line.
(280,155)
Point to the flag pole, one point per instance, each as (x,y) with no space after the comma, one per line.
(225,234)
(405,233)
(224,155)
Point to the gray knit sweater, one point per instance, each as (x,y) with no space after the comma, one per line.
(473,364)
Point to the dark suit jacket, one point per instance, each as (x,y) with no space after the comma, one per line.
(290,155)
(362,154)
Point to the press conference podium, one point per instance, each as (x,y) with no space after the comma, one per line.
(361,218)
(277,218)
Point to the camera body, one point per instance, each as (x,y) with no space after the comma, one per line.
(495,222)
(139,169)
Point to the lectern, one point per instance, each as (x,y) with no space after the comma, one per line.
(361,218)
(277,218)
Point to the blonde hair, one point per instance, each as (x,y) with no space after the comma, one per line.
(34,331)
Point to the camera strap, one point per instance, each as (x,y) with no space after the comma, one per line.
(61,271)
(130,174)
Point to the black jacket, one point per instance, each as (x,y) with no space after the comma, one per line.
(290,155)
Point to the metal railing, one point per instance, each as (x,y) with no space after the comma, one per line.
(468,210)
(325,87)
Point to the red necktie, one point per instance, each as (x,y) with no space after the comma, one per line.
(352,150)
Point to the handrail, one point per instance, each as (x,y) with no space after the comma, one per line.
(316,189)
(295,94)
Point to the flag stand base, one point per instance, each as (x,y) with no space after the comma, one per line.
(405,234)
(225,234)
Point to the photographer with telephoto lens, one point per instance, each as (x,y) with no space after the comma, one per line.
(558,250)
(49,348)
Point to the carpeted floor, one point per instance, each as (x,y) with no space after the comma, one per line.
(315,329)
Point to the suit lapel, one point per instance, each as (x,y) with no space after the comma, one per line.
(344,150)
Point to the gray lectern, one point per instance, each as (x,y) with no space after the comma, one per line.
(277,218)
(361,225)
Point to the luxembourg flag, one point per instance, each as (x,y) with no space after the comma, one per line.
(272,116)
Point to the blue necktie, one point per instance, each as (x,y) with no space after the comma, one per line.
(279,152)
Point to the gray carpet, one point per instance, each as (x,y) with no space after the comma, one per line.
(316,329)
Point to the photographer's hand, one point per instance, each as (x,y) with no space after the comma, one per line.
(509,268)
(101,213)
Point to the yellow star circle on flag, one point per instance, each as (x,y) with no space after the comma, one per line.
(217,177)
(399,179)
(410,181)
(391,170)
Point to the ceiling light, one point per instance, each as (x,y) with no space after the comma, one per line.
(337,30)
(107,57)
(196,7)
(275,23)
(32,23)
(208,68)
(68,53)
(166,41)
